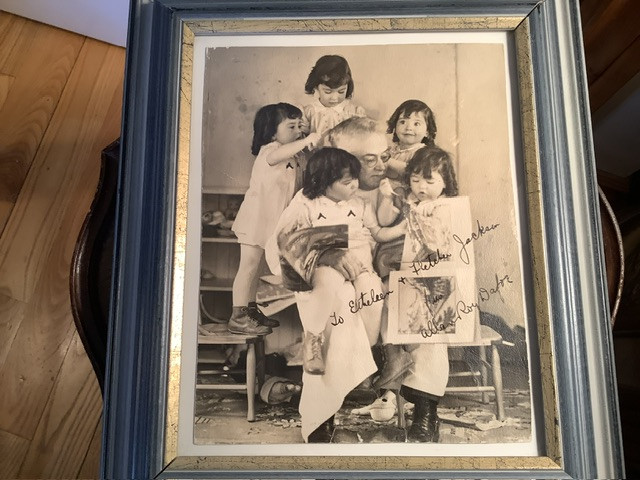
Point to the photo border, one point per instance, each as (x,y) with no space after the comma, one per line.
(159,27)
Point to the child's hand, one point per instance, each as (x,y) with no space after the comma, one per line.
(386,189)
(313,139)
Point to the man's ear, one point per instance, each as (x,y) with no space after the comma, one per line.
(328,139)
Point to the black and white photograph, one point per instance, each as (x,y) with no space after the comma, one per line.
(355,273)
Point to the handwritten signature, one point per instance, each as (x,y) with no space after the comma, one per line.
(367,299)
(464,308)
(482,230)
(433,259)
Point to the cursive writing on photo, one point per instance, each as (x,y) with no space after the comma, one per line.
(337,320)
(367,299)
(485,294)
(435,299)
(465,308)
(433,259)
(481,231)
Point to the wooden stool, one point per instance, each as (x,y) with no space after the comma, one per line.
(488,338)
(255,365)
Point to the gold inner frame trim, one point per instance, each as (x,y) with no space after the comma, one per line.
(520,27)
(536,238)
(179,253)
(351,25)
(375,463)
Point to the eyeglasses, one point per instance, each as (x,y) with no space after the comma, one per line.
(371,160)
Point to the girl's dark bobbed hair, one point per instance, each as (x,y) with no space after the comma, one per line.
(267,120)
(405,109)
(326,166)
(333,71)
(428,159)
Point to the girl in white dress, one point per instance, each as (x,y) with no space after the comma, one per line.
(277,139)
(331,83)
(413,126)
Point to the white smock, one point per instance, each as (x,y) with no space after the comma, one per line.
(271,188)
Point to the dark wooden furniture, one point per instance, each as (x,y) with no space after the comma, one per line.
(91,265)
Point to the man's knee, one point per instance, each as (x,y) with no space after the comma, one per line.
(327,277)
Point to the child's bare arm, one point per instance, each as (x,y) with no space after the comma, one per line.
(381,234)
(288,150)
(387,211)
(386,234)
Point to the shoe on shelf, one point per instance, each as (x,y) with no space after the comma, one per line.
(255,312)
(312,354)
(242,322)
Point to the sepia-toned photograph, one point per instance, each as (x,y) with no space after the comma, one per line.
(358,276)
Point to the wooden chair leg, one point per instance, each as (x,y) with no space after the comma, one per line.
(482,351)
(260,363)
(251,382)
(497,380)
(400,408)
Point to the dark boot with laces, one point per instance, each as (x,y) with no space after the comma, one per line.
(255,312)
(243,322)
(426,424)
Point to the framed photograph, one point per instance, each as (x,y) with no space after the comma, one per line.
(358,240)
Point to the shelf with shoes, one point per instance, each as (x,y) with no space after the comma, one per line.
(220,259)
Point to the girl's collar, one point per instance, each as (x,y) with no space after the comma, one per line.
(325,199)
(338,108)
(415,146)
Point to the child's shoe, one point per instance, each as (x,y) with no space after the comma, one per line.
(387,403)
(244,323)
(312,354)
(255,312)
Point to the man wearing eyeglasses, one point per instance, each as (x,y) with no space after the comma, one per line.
(346,349)
(426,382)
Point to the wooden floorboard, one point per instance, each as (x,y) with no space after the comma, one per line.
(49,188)
(91,464)
(37,63)
(14,449)
(11,315)
(60,105)
(68,424)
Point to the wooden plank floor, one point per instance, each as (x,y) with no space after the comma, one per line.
(60,105)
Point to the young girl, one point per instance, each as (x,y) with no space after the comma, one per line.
(331,82)
(277,138)
(429,175)
(413,126)
(328,199)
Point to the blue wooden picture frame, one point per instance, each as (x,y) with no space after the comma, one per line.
(582,409)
